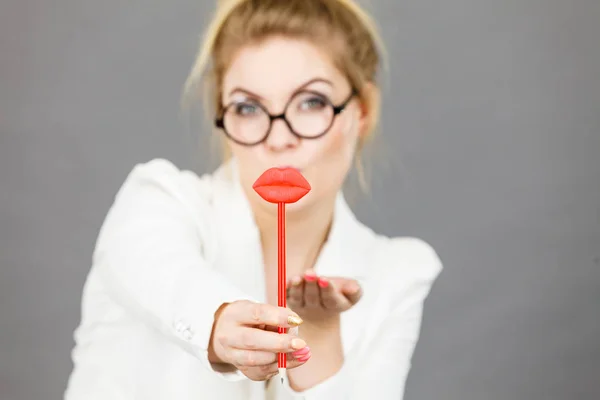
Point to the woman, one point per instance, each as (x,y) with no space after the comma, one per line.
(181,300)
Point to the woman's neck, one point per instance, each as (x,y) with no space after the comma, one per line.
(306,231)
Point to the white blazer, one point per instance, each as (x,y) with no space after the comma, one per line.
(175,246)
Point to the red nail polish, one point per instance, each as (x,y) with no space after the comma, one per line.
(323,283)
(310,278)
(301,352)
(304,358)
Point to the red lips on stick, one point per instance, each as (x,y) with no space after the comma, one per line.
(281,186)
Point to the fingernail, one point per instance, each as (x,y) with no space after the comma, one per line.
(301,352)
(304,358)
(323,282)
(296,280)
(294,320)
(298,343)
(310,277)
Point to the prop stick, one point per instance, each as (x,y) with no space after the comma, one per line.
(281,186)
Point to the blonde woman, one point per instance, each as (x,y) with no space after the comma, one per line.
(181,299)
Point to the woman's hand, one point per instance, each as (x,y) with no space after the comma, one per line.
(245,336)
(318,300)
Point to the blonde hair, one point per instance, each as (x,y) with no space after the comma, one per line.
(347,31)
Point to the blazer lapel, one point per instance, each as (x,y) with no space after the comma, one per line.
(346,254)
(239,253)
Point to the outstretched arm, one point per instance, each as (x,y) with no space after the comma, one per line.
(150,257)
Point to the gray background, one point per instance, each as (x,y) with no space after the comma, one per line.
(492,126)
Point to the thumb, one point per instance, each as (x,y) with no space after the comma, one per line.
(352,291)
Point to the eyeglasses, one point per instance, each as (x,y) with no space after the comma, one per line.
(308,115)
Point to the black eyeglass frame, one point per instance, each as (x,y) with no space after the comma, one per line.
(220,122)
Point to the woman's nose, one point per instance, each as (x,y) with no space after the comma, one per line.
(281,136)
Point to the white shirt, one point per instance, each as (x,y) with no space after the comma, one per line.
(175,246)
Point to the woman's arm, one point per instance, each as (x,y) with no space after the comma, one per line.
(150,257)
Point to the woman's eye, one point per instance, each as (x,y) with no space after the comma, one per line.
(246,109)
(313,103)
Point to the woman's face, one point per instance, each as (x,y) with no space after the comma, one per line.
(272,74)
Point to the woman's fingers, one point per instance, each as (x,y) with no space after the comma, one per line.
(311,291)
(256,314)
(261,372)
(243,357)
(260,365)
(296,293)
(251,358)
(298,358)
(331,298)
(247,338)
(293,331)
(352,291)
(312,297)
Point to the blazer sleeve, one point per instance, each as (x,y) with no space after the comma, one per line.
(383,363)
(149,255)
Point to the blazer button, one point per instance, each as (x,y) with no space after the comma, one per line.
(187,335)
(179,326)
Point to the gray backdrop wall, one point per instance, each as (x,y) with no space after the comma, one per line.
(492,125)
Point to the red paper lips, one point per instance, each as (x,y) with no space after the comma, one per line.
(281,185)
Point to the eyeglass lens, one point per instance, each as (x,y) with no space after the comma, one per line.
(308,114)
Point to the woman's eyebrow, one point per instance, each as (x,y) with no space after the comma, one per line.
(249,93)
(314,80)
(310,82)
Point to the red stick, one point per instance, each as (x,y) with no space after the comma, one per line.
(281,275)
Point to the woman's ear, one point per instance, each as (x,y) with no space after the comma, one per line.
(369,99)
